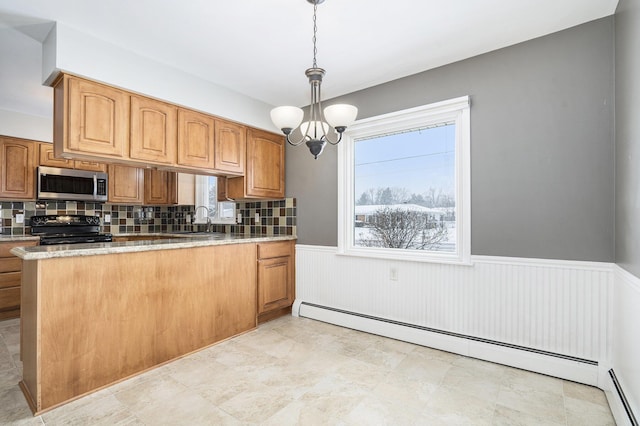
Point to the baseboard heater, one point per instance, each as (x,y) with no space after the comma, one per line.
(623,398)
(452,334)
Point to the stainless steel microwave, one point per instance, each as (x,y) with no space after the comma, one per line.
(70,185)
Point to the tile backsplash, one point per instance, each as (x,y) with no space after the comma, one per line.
(277,217)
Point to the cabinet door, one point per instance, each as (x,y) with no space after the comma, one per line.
(46,157)
(265,165)
(230,147)
(233,289)
(91,166)
(17,166)
(10,279)
(98,119)
(159,187)
(9,301)
(153,130)
(195,139)
(126,184)
(275,283)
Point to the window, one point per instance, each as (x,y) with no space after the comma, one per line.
(405,184)
(207,204)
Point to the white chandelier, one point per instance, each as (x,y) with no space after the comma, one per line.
(315,131)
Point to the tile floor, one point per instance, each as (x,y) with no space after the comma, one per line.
(296,371)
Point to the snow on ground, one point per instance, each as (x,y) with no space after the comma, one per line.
(448,245)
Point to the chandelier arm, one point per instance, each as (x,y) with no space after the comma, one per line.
(298,143)
(336,142)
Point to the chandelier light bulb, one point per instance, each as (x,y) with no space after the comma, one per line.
(287,117)
(340,115)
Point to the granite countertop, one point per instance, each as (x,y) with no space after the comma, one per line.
(12,238)
(172,241)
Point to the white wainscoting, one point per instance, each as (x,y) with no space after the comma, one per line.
(625,348)
(519,312)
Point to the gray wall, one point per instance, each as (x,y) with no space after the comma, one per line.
(627,22)
(542,151)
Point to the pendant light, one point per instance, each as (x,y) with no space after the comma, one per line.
(315,131)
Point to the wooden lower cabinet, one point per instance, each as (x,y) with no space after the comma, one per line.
(276,279)
(10,279)
(90,321)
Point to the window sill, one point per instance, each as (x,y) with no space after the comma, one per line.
(407,256)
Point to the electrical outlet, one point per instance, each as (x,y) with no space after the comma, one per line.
(257,218)
(20,218)
(239,218)
(393,274)
(107,218)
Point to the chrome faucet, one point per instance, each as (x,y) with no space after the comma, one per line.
(195,211)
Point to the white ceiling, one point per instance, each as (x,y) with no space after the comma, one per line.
(262,48)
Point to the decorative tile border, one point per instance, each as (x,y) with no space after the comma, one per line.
(277,217)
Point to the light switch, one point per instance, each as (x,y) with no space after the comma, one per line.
(107,218)
(20,218)
(257,218)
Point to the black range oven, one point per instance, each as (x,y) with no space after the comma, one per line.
(68,229)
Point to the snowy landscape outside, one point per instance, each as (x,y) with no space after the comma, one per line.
(405,190)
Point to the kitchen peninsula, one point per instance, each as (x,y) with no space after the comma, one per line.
(96,314)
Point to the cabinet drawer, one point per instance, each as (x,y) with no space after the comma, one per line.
(10,279)
(9,298)
(10,264)
(5,248)
(279,249)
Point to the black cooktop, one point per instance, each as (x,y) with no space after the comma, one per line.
(68,229)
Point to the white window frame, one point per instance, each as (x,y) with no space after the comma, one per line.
(225,211)
(454,110)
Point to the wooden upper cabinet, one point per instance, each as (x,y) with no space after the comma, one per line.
(91,166)
(264,175)
(126,184)
(196,134)
(95,122)
(230,147)
(160,187)
(95,116)
(47,157)
(153,130)
(17,168)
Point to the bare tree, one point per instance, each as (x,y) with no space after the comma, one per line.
(404,229)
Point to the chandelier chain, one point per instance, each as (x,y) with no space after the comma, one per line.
(315,30)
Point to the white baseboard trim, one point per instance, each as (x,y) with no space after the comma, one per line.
(568,368)
(620,408)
